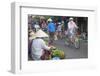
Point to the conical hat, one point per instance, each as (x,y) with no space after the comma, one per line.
(32,36)
(31,33)
(40,33)
(42,17)
(30,30)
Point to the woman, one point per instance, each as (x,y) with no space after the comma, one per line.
(39,46)
(59,30)
(44,26)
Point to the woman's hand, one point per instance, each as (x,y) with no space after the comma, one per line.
(52,47)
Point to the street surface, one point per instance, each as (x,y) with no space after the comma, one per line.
(70,51)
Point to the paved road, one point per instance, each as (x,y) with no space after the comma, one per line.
(71,52)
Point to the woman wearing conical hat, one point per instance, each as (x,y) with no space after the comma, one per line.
(38,45)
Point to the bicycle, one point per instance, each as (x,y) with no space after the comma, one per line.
(74,41)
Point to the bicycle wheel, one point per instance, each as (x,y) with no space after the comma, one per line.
(66,41)
(77,43)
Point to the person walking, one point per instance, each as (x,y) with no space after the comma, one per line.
(59,30)
(51,30)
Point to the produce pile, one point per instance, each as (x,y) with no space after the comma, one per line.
(58,53)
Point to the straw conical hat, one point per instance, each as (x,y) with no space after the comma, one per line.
(32,36)
(42,17)
(32,33)
(30,30)
(40,33)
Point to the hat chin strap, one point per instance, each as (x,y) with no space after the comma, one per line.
(39,37)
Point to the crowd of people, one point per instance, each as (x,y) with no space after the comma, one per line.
(47,28)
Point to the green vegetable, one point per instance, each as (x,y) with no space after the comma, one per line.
(58,53)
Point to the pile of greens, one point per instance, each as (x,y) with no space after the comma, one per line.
(58,53)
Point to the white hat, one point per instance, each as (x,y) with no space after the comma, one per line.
(49,19)
(33,16)
(70,18)
(40,33)
(59,23)
(62,22)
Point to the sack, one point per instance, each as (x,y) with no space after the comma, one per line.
(46,55)
(55,58)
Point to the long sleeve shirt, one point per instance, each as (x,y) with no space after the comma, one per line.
(38,45)
(72,25)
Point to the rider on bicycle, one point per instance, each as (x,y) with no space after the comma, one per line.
(71,29)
